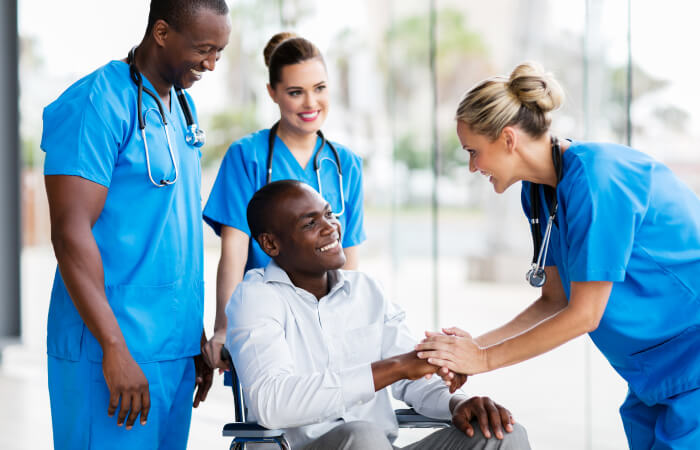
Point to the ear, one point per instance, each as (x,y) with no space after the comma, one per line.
(510,137)
(269,244)
(271,92)
(160,32)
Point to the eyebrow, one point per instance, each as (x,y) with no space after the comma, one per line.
(312,214)
(300,87)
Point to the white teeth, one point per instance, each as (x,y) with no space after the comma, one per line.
(196,72)
(309,115)
(329,246)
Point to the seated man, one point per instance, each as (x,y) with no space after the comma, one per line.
(315,346)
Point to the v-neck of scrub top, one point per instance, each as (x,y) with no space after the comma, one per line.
(306,173)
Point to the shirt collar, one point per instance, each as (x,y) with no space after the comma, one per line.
(275,274)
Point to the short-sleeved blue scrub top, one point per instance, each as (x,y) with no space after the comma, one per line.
(625,217)
(244,170)
(150,238)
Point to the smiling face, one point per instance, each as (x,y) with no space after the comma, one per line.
(305,236)
(492,159)
(302,96)
(195,49)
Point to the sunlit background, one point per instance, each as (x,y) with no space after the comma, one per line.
(443,244)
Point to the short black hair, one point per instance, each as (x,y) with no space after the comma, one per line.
(179,13)
(263,205)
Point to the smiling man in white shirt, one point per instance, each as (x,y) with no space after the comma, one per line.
(315,347)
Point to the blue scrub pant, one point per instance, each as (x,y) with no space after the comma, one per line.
(79,401)
(673,423)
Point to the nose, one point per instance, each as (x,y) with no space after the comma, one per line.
(210,62)
(472,164)
(330,225)
(310,100)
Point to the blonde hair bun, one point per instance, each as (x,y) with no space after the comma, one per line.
(274,41)
(535,88)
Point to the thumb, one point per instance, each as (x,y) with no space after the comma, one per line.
(429,333)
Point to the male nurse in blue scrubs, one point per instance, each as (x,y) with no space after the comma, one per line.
(125,321)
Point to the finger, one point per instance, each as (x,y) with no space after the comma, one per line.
(208,355)
(432,333)
(443,363)
(483,420)
(135,410)
(440,341)
(495,419)
(506,418)
(125,407)
(113,402)
(454,331)
(461,421)
(145,406)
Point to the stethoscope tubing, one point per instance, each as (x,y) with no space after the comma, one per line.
(317,164)
(194,135)
(536,276)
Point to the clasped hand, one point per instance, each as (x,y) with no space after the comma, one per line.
(453,349)
(415,368)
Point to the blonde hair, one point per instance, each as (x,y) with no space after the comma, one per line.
(525,99)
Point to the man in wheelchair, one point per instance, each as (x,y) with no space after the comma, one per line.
(315,347)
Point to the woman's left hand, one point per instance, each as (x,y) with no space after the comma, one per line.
(455,349)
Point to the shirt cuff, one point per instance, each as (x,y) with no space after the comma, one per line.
(443,404)
(357,385)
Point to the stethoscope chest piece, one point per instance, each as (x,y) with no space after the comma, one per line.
(195,136)
(536,276)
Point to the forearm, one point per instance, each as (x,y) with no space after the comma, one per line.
(545,336)
(538,311)
(387,372)
(230,271)
(227,278)
(283,400)
(352,258)
(80,265)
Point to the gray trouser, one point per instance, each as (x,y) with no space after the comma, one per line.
(362,435)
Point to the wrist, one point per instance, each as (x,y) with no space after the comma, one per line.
(455,401)
(485,354)
(111,344)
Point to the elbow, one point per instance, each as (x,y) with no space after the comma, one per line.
(269,413)
(588,321)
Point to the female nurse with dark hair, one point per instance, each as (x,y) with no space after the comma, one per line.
(293,148)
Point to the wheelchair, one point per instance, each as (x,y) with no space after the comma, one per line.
(242,431)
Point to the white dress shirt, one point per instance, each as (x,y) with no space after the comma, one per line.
(305,364)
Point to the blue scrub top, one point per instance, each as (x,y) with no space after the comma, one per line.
(150,238)
(244,170)
(625,217)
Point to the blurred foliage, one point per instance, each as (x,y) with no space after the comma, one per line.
(226,127)
(411,154)
(458,50)
(673,117)
(643,83)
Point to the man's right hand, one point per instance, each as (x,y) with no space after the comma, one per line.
(125,381)
(212,351)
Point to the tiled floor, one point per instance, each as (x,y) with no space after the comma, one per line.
(550,395)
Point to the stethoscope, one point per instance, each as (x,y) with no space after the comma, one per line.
(536,276)
(194,135)
(317,164)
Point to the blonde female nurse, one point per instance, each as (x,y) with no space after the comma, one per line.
(294,148)
(618,237)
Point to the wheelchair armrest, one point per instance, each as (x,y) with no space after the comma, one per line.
(250,430)
(409,418)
